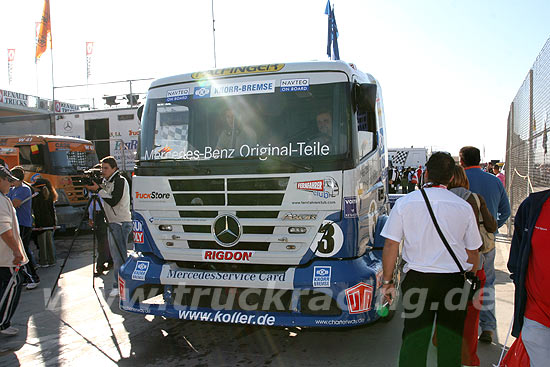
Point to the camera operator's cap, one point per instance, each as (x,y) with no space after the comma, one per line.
(4,172)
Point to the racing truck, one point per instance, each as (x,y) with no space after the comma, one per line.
(259,195)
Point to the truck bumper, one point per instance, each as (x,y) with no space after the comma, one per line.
(69,216)
(323,293)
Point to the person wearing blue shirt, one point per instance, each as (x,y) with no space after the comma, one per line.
(490,187)
(21,197)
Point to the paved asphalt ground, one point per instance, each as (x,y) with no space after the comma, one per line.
(86,328)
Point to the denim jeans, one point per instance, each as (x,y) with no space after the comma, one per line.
(118,240)
(536,338)
(487,319)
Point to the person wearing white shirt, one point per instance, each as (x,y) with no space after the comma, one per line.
(432,288)
(12,254)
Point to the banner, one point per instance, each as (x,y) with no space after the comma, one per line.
(45,30)
(14,98)
(332,38)
(62,107)
(89,49)
(11,58)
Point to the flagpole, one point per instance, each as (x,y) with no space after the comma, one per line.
(87,76)
(214,34)
(51,54)
(53,85)
(36,31)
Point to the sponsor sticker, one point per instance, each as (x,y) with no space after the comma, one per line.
(325,189)
(227,317)
(35,177)
(227,255)
(294,85)
(140,270)
(178,94)
(321,276)
(311,185)
(122,288)
(153,195)
(350,207)
(242,88)
(329,240)
(174,275)
(201,92)
(359,298)
(138,231)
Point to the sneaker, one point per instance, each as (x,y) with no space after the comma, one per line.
(486,336)
(114,292)
(32,285)
(11,331)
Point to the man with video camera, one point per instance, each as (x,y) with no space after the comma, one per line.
(115,192)
(96,220)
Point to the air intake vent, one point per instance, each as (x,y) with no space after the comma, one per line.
(197,185)
(257,184)
(198,214)
(255,199)
(257,214)
(199,199)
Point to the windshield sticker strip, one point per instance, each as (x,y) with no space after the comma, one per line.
(234,89)
(295,85)
(265,68)
(178,94)
(299,149)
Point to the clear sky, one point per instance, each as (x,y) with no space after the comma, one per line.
(449,69)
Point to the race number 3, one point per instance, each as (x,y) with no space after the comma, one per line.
(329,240)
(326,244)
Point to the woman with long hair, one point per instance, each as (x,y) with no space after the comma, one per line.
(45,220)
(460,186)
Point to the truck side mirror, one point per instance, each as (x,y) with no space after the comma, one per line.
(365,96)
(140,112)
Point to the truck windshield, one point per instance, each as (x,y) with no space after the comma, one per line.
(298,125)
(70,162)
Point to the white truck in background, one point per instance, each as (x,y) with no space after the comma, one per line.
(259,194)
(113,131)
(407,157)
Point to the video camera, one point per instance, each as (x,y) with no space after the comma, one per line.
(90,176)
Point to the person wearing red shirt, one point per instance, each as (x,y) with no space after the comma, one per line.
(528,265)
(500,175)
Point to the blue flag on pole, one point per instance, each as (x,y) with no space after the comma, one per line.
(332,37)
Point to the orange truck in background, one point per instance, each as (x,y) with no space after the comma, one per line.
(10,155)
(59,159)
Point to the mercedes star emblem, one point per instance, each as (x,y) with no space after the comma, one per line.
(226,230)
(68,126)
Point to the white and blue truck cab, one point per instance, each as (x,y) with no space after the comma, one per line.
(257,194)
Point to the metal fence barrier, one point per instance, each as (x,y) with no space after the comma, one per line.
(527,156)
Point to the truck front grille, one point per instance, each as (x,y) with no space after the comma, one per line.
(255,201)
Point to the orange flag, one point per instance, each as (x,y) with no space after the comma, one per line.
(45,29)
